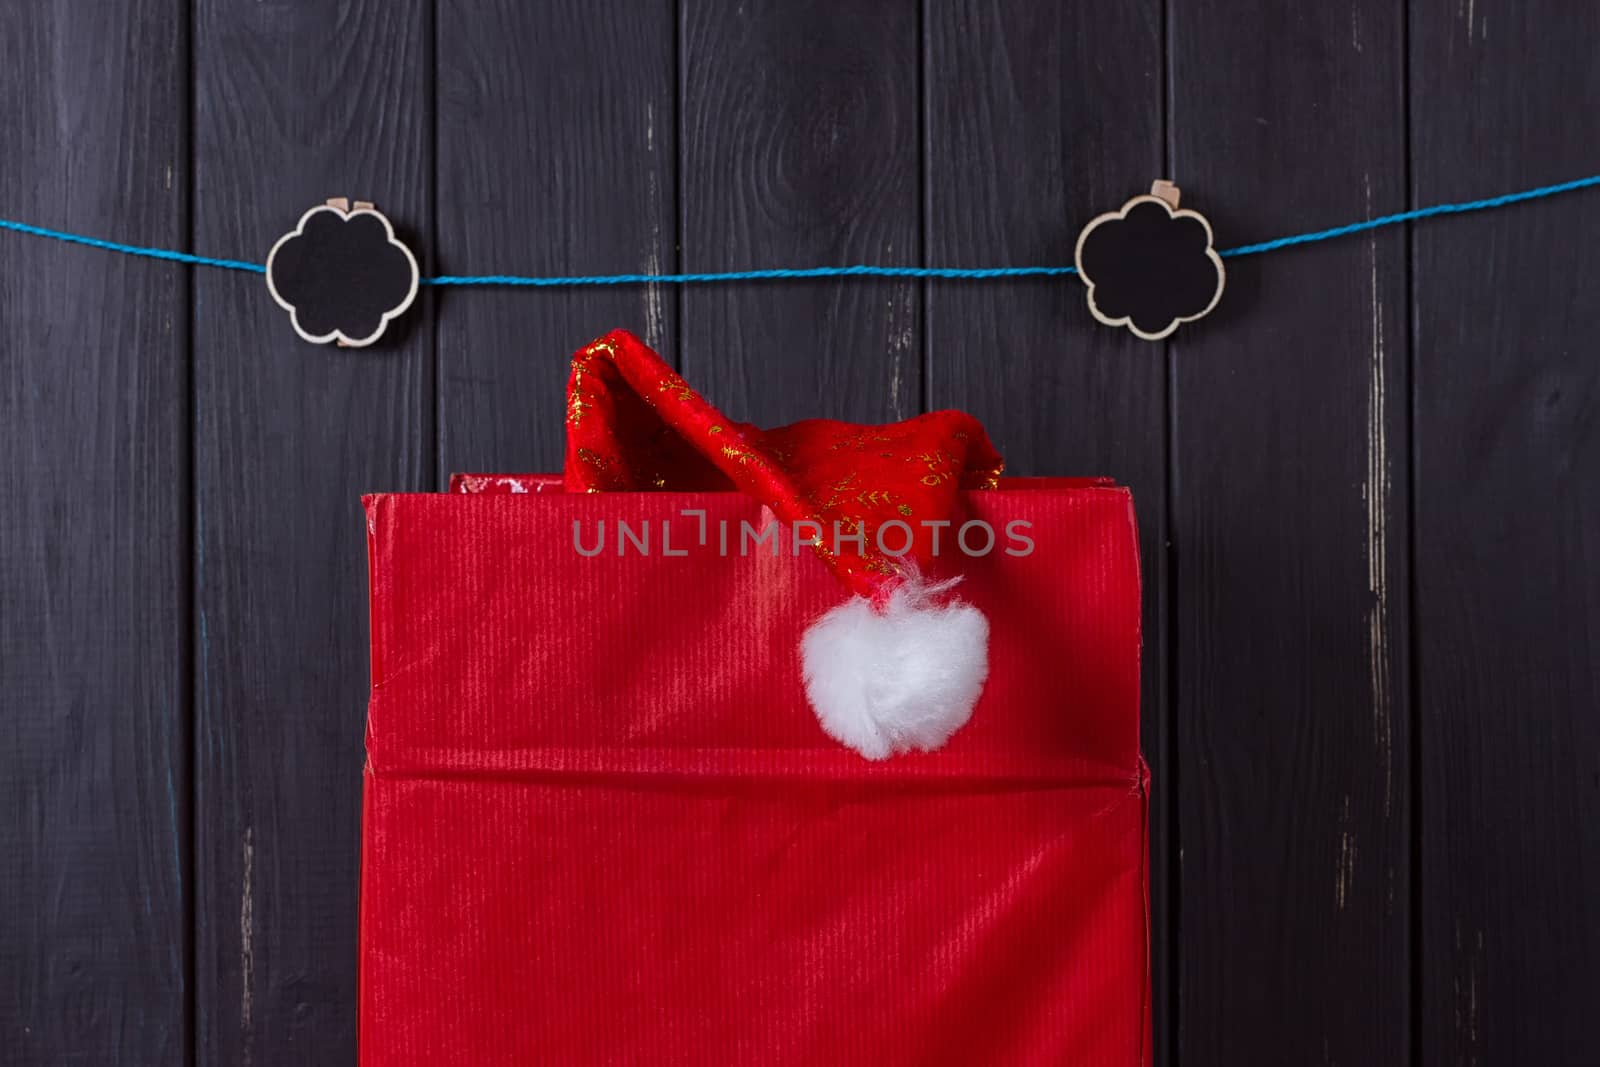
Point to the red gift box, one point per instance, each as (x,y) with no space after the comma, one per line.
(603,826)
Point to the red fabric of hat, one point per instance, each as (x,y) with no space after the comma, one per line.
(900,664)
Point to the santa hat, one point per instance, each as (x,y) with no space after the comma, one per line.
(899,665)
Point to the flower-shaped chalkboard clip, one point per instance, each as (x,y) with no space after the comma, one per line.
(341,274)
(1149,266)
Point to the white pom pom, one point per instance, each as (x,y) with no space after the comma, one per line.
(896,678)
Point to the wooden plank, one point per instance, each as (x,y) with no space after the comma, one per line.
(556,155)
(295,103)
(799,147)
(1022,149)
(94,783)
(1290,542)
(1508,530)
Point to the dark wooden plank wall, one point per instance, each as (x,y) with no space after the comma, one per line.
(799,140)
(294,103)
(1289,564)
(558,122)
(1366,486)
(95,789)
(1508,536)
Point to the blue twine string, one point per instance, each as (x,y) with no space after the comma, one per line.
(132,250)
(858,270)
(1419,213)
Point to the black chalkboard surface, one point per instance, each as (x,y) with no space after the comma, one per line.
(1149,266)
(341,274)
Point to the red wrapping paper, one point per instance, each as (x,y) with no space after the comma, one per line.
(602,826)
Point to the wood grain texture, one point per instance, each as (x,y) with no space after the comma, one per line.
(1038,118)
(557,155)
(1508,533)
(94,706)
(1290,542)
(799,147)
(295,103)
(137,604)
